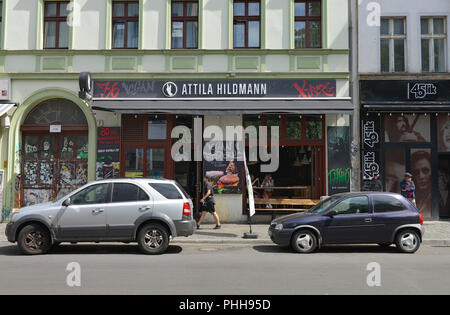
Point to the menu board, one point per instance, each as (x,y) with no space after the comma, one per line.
(108,152)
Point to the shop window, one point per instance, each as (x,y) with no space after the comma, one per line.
(395,169)
(155,163)
(443,132)
(407,128)
(134,163)
(314,127)
(246,24)
(393,41)
(433,43)
(293,127)
(157,127)
(125,24)
(184,24)
(307,24)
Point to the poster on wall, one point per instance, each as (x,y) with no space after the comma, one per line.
(443,132)
(338,139)
(108,152)
(421,171)
(407,128)
(222,166)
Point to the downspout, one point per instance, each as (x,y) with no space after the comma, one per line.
(354,93)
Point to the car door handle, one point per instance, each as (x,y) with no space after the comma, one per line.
(97,211)
(145,208)
(368,220)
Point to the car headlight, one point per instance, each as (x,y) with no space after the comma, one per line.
(279,227)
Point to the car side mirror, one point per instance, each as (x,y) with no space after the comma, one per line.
(332,213)
(67,202)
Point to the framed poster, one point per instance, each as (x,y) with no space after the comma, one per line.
(338,159)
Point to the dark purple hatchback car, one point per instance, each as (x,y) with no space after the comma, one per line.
(352,218)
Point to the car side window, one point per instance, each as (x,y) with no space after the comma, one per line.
(125,192)
(91,195)
(387,204)
(353,205)
(169,191)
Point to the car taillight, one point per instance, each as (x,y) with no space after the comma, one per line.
(186,209)
(420,219)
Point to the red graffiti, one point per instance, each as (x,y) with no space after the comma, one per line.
(308,90)
(109,91)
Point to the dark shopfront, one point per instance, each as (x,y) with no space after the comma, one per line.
(405,126)
(151,109)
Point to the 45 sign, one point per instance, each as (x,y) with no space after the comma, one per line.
(421,90)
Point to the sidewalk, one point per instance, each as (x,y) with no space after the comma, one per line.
(437,233)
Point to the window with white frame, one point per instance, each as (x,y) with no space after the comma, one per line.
(392,44)
(433,43)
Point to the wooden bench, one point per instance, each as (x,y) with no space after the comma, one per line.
(293,205)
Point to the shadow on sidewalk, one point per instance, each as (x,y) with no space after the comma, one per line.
(89,249)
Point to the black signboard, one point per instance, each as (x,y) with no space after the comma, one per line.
(402,91)
(370,144)
(338,139)
(108,152)
(280,89)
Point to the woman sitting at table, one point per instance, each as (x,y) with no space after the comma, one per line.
(267,182)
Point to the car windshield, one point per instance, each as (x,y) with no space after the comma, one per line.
(321,206)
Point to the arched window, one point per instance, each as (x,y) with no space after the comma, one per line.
(56,111)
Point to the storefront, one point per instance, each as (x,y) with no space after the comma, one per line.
(305,112)
(405,126)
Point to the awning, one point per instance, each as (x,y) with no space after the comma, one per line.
(225,107)
(4,108)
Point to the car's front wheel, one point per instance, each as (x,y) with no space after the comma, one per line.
(304,241)
(34,239)
(407,241)
(153,239)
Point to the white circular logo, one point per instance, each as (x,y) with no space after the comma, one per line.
(170,89)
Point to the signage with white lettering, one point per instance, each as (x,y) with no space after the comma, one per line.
(279,89)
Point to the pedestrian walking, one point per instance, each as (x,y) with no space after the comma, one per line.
(208,204)
(408,188)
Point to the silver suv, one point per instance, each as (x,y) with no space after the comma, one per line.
(149,211)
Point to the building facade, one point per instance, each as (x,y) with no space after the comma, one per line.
(158,64)
(404,65)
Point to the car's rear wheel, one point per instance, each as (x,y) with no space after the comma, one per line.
(304,241)
(407,241)
(34,239)
(153,239)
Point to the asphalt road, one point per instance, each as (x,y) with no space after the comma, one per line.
(222,270)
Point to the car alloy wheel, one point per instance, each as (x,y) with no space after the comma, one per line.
(34,239)
(408,241)
(304,241)
(153,239)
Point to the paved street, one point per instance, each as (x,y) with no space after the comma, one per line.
(198,269)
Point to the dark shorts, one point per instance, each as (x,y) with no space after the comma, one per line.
(208,205)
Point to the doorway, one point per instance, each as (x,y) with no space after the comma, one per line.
(53,163)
